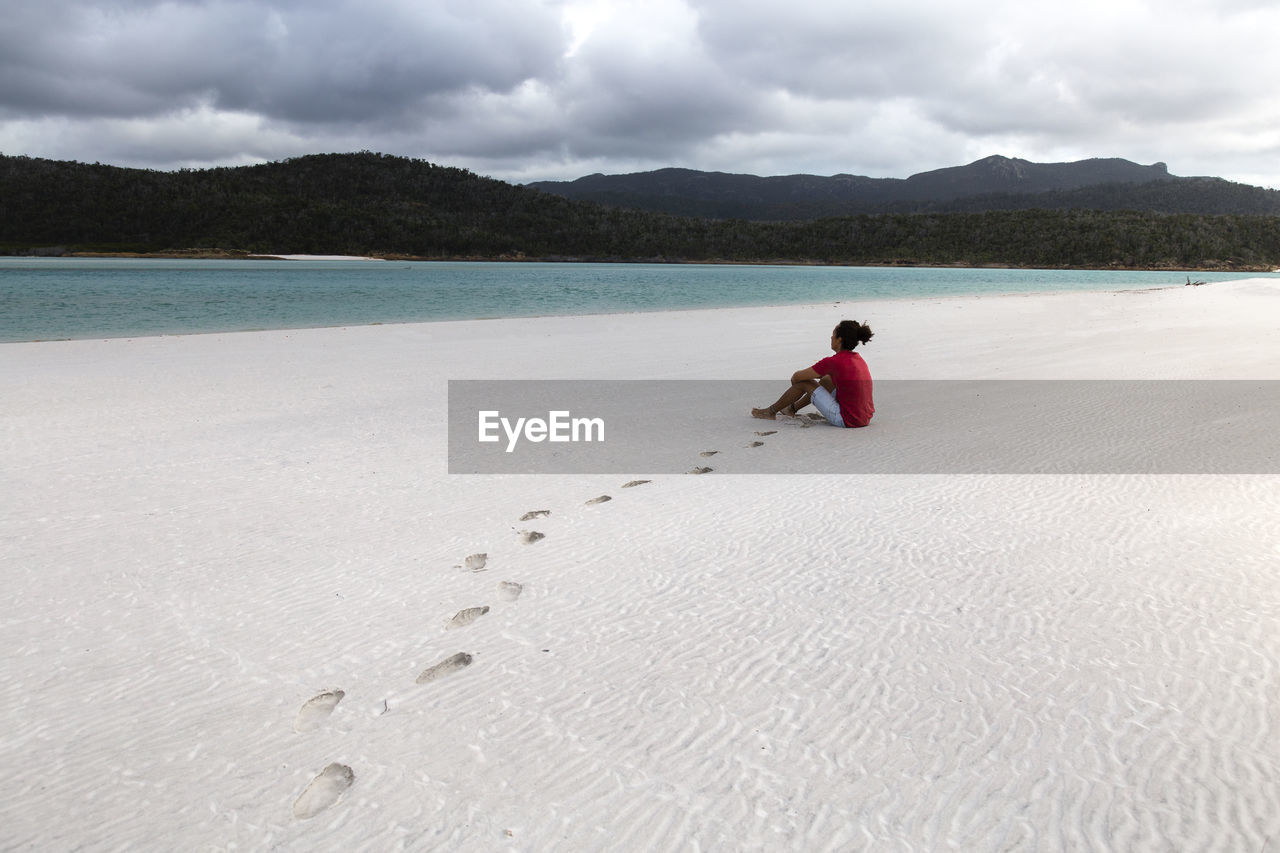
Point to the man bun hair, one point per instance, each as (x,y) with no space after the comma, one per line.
(851,333)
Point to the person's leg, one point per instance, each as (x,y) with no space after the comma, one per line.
(825,382)
(825,402)
(793,399)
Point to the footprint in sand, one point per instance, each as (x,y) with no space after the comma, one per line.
(635,483)
(766,432)
(323,791)
(465,617)
(509,590)
(699,470)
(535,513)
(475,562)
(448,666)
(756,444)
(316,710)
(599,500)
(706,453)
(528,537)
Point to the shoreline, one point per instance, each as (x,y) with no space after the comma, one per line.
(606,314)
(969,281)
(242,254)
(1004,309)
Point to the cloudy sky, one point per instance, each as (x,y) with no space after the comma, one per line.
(555,89)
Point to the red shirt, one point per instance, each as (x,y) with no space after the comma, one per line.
(853,386)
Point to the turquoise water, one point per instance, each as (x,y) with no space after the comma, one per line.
(55,298)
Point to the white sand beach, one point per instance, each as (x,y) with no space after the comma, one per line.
(242,614)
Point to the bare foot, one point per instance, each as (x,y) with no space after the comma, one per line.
(763,414)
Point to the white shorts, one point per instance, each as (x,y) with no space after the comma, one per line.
(825,402)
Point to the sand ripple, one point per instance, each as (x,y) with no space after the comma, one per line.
(714,662)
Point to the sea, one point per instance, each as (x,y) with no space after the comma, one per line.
(78,298)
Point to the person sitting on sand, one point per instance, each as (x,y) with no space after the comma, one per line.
(839,386)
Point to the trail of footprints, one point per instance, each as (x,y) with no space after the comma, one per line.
(328,786)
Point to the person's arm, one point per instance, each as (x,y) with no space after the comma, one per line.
(802,375)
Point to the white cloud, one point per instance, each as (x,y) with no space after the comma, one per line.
(527,89)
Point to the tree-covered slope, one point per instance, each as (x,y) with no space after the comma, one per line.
(993,183)
(372,204)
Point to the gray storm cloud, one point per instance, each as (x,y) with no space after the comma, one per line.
(325,63)
(524,89)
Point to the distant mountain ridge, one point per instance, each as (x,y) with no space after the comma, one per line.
(992,183)
(393,207)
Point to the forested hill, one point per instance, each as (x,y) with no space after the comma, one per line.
(993,183)
(372,204)
(324,204)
